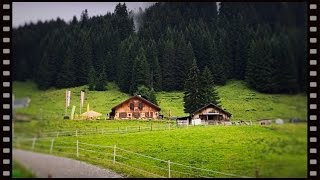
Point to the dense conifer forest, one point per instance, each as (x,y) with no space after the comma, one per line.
(263,44)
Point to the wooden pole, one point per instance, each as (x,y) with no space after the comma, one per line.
(77,148)
(51,148)
(169,173)
(114,154)
(33,143)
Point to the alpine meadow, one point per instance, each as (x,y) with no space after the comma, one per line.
(171,90)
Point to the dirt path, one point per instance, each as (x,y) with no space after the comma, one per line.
(59,167)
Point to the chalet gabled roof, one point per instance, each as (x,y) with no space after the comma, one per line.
(138,97)
(211,104)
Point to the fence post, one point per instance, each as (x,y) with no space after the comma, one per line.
(77,148)
(114,154)
(169,173)
(33,143)
(51,148)
(250,122)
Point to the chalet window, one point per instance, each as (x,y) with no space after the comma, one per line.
(131,106)
(123,115)
(140,105)
(151,114)
(136,115)
(146,114)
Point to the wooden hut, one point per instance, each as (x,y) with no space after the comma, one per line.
(135,107)
(209,114)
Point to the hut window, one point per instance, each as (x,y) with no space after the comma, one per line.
(136,115)
(123,115)
(146,114)
(140,105)
(131,106)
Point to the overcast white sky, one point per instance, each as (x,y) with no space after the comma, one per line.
(23,12)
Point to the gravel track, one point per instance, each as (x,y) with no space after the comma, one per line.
(43,165)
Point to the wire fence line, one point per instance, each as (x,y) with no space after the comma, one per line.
(107,131)
(124,157)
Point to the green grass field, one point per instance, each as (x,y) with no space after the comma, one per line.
(19,171)
(271,151)
(242,102)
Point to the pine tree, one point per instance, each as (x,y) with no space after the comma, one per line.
(168,74)
(146,93)
(45,72)
(221,59)
(92,78)
(101,80)
(140,71)
(66,77)
(183,60)
(192,96)
(207,90)
(155,72)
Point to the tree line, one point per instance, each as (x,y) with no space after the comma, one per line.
(263,44)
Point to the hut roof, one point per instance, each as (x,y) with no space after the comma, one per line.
(212,105)
(91,114)
(138,97)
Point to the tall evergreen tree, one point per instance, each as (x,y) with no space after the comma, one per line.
(192,96)
(66,77)
(140,71)
(146,93)
(208,91)
(168,75)
(101,80)
(92,78)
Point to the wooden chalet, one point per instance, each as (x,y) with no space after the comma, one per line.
(209,114)
(135,107)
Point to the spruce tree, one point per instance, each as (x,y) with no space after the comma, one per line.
(92,78)
(146,93)
(168,74)
(140,71)
(101,80)
(208,91)
(66,77)
(192,97)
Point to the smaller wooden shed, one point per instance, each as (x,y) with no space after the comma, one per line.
(209,114)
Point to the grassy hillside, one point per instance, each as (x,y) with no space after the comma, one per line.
(242,102)
(273,151)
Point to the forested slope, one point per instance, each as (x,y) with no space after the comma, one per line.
(263,44)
